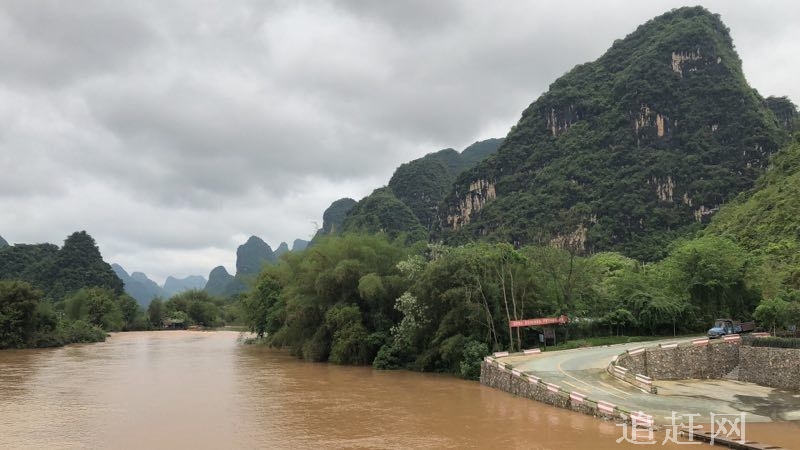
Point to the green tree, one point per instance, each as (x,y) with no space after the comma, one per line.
(258,307)
(96,306)
(714,274)
(470,366)
(336,272)
(130,311)
(155,313)
(102,310)
(772,312)
(349,344)
(18,304)
(199,307)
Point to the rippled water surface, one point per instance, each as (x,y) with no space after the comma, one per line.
(187,389)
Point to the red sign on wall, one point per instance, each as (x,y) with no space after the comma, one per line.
(560,320)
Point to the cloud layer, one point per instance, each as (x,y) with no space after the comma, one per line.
(171,131)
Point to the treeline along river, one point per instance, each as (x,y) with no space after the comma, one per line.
(188,389)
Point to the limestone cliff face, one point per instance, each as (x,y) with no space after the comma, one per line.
(478,194)
(687,60)
(650,121)
(559,119)
(664,188)
(574,241)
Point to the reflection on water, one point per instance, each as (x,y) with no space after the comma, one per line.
(189,389)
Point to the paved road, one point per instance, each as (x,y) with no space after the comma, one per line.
(583,370)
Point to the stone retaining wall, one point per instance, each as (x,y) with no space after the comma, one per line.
(773,367)
(688,361)
(500,376)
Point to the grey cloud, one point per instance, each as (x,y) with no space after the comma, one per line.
(176,129)
(54,42)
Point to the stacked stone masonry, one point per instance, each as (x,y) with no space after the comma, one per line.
(500,377)
(684,362)
(773,367)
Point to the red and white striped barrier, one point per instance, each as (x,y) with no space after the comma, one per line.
(499,364)
(761,334)
(500,354)
(635,351)
(531,351)
(553,387)
(577,397)
(700,341)
(668,345)
(606,407)
(643,379)
(488,359)
(533,380)
(732,338)
(516,373)
(621,371)
(642,419)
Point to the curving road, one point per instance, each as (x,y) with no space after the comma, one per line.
(583,370)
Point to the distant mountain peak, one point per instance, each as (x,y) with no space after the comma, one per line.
(221,283)
(252,255)
(282,248)
(173,285)
(299,245)
(137,285)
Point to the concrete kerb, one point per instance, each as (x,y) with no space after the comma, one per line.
(642,382)
(527,352)
(555,395)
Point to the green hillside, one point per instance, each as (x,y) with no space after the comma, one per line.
(383,212)
(58,272)
(419,186)
(628,152)
(765,222)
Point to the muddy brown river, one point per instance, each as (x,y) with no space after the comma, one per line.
(187,389)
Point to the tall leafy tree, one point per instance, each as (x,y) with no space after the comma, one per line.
(18,304)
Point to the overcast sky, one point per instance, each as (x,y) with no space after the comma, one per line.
(173,130)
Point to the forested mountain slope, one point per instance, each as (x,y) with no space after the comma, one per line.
(418,186)
(627,152)
(766,222)
(58,272)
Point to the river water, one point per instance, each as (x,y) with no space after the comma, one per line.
(188,389)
